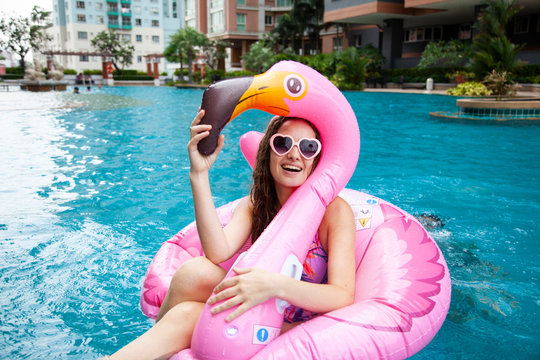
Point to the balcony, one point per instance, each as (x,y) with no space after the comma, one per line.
(126,27)
(114,26)
(112,13)
(125,1)
(112,1)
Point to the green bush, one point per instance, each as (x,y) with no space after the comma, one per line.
(70,72)
(11,76)
(15,70)
(92,72)
(132,77)
(470,88)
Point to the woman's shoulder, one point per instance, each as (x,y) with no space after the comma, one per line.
(338,207)
(338,213)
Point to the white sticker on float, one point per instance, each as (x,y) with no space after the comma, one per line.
(262,335)
(362,216)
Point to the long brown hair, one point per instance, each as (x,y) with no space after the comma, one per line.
(263,192)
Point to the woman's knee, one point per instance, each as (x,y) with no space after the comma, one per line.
(197,276)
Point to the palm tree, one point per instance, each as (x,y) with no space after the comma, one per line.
(183,45)
(491,48)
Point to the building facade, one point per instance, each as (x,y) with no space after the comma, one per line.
(240,22)
(147,24)
(401,29)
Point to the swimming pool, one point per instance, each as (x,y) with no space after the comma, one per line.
(92,184)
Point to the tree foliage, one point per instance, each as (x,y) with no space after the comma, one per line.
(492,48)
(305,20)
(259,57)
(452,54)
(183,47)
(121,50)
(22,34)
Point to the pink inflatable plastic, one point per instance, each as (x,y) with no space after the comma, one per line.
(402,283)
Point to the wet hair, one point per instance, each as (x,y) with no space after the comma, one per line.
(263,193)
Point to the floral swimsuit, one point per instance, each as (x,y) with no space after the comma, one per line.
(315,271)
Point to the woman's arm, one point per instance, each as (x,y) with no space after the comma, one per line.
(219,244)
(253,286)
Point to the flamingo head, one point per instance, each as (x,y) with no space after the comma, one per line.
(290,89)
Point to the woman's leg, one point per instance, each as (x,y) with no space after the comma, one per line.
(193,281)
(164,339)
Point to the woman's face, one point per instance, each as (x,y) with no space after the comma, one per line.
(291,170)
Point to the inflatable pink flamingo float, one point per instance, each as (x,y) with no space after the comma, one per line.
(402,292)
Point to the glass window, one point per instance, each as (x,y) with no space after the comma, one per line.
(521,25)
(82,35)
(240,2)
(99,6)
(99,19)
(139,59)
(155,23)
(79,4)
(126,37)
(83,58)
(283,2)
(338,43)
(155,39)
(138,22)
(126,21)
(113,20)
(154,11)
(241,22)
(81,18)
(465,31)
(138,38)
(268,20)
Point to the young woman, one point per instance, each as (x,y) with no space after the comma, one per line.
(284,162)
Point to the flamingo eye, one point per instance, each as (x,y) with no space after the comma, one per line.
(294,85)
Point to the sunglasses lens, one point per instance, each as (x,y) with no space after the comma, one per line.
(309,148)
(282,144)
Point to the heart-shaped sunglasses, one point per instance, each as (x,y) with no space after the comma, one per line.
(282,144)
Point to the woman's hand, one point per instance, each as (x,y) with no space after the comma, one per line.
(201,163)
(251,287)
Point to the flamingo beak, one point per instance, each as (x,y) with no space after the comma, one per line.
(225,100)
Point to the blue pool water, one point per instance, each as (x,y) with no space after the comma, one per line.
(91,185)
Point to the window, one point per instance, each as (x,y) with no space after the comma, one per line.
(268,20)
(113,20)
(283,2)
(240,2)
(422,34)
(154,11)
(357,40)
(137,10)
(126,21)
(113,7)
(138,22)
(126,37)
(126,9)
(139,59)
(521,25)
(241,22)
(338,43)
(155,23)
(155,39)
(465,31)
(79,4)
(99,19)
(83,58)
(82,35)
(216,21)
(99,6)
(138,38)
(81,18)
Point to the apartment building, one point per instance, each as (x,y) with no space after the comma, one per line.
(240,22)
(402,28)
(147,24)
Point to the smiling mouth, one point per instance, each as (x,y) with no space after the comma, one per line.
(291,168)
